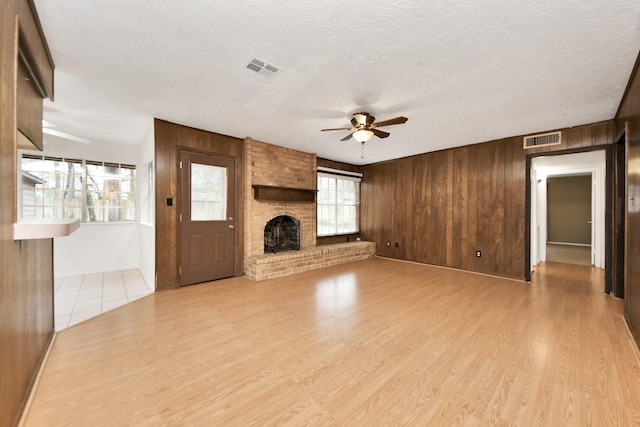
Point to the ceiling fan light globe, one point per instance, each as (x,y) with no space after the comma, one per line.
(363,135)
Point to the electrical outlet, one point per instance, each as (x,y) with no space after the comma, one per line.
(478,254)
(388,244)
(397,245)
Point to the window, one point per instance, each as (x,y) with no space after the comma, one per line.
(338,203)
(77,189)
(208,192)
(51,188)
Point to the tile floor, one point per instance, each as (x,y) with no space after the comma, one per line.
(78,298)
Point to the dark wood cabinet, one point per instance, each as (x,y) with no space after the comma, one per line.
(28,108)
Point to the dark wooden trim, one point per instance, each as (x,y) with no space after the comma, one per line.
(45,45)
(608,218)
(632,77)
(619,223)
(283,194)
(32,71)
(527,220)
(29,94)
(338,165)
(32,43)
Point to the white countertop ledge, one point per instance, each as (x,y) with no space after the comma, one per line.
(44,229)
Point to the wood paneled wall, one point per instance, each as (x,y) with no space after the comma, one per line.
(441,207)
(170,139)
(26,282)
(326,163)
(628,120)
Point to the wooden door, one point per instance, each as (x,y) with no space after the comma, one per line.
(207,214)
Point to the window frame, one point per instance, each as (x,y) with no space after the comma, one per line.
(338,175)
(84,190)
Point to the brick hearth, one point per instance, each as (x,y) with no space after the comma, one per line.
(269,266)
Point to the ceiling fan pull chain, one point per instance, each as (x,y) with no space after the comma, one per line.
(362,155)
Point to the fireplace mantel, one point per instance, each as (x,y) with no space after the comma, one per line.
(283,194)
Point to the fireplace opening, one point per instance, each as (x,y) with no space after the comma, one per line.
(282,233)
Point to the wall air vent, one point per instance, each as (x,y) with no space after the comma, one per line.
(542,140)
(261,70)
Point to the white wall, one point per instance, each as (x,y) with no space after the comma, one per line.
(96,150)
(97,247)
(146,209)
(535,242)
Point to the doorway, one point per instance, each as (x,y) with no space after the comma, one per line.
(569,219)
(591,165)
(207,215)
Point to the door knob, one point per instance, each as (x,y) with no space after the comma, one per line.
(232,227)
(589,222)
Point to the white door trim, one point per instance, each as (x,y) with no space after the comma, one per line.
(593,163)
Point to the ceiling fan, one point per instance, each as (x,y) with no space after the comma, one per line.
(364,127)
(46,129)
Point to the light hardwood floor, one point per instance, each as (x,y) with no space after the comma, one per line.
(377,342)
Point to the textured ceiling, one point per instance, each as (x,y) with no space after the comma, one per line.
(462,72)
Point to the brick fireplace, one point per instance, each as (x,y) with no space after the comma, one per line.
(287,178)
(270,165)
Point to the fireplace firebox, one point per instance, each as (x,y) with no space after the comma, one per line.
(282,233)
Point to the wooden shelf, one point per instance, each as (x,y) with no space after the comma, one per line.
(283,194)
(44,229)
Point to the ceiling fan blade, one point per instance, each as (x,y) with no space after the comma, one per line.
(65,135)
(324,130)
(394,121)
(348,137)
(380,133)
(354,122)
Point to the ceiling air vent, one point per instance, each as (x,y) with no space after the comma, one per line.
(261,70)
(542,140)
